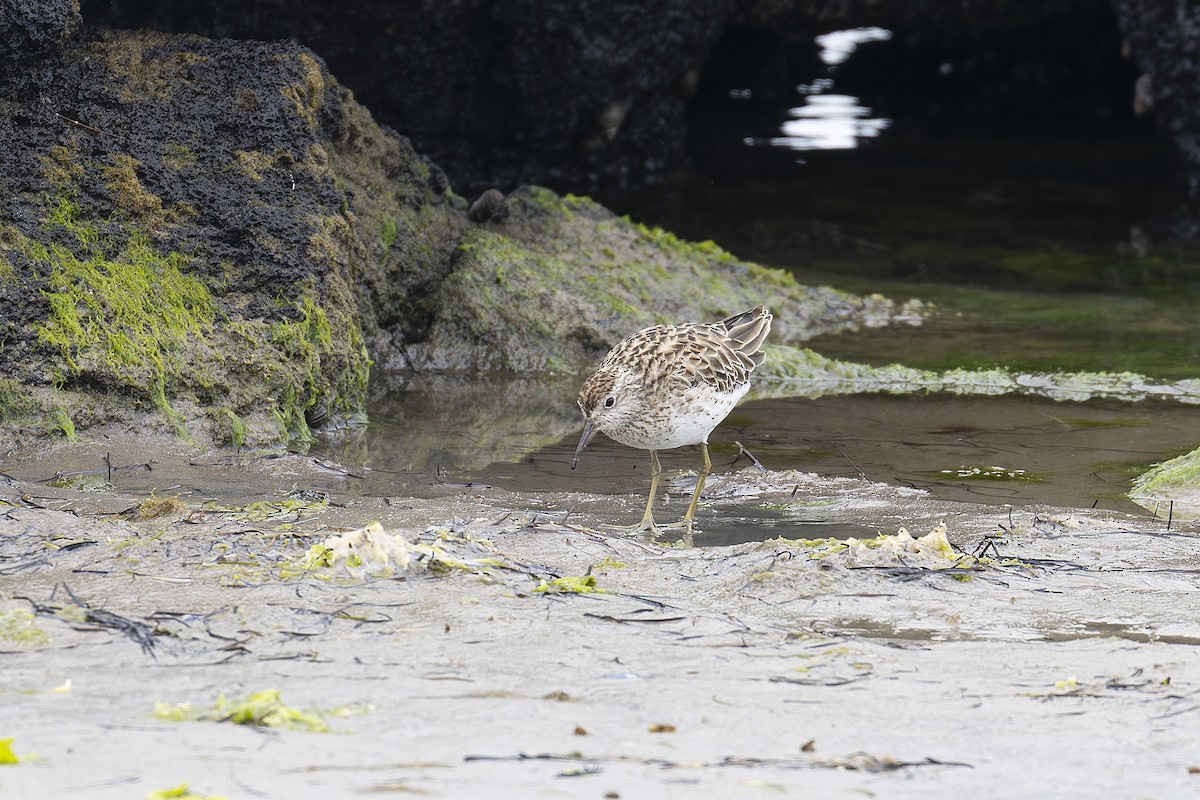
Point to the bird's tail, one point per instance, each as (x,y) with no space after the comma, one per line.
(749,329)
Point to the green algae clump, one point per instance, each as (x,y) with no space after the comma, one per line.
(263,709)
(568,584)
(1172,488)
(128,312)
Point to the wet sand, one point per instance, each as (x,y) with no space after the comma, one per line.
(1064,665)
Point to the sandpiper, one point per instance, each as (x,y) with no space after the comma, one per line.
(669,386)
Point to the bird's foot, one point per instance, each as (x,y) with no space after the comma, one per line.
(684,526)
(647,524)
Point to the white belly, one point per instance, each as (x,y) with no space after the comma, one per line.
(687,420)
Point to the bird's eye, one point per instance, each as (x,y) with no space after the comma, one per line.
(610,402)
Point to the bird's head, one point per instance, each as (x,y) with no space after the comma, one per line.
(609,399)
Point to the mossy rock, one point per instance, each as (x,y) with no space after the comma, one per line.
(556,281)
(197,246)
(1171,488)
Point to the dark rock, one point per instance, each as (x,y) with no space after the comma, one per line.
(487,207)
(214,229)
(214,235)
(33,29)
(580,95)
(1163,37)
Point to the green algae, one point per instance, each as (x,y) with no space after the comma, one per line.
(178,157)
(800,372)
(181,792)
(264,709)
(232,430)
(150,65)
(59,422)
(307,94)
(308,343)
(387,236)
(252,163)
(1175,479)
(18,627)
(122,325)
(373,552)
(131,197)
(127,311)
(133,314)
(303,341)
(559,280)
(1031,331)
(15,402)
(291,507)
(568,584)
(61,167)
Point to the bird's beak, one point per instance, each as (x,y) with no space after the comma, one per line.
(588,432)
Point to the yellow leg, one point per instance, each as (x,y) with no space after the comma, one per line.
(647,523)
(691,510)
(655,472)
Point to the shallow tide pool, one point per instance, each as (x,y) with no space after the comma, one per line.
(428,436)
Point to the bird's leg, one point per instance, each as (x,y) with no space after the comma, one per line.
(647,523)
(691,509)
(686,522)
(655,472)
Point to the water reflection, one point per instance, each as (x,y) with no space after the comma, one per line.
(837,46)
(826,120)
(519,435)
(829,122)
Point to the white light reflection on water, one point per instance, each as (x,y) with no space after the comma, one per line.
(826,120)
(829,122)
(837,46)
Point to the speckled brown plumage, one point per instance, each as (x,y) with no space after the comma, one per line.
(670,385)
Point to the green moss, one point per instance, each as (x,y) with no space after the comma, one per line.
(178,157)
(1169,477)
(132,198)
(307,343)
(252,163)
(60,422)
(18,627)
(308,94)
(15,402)
(233,427)
(126,311)
(387,236)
